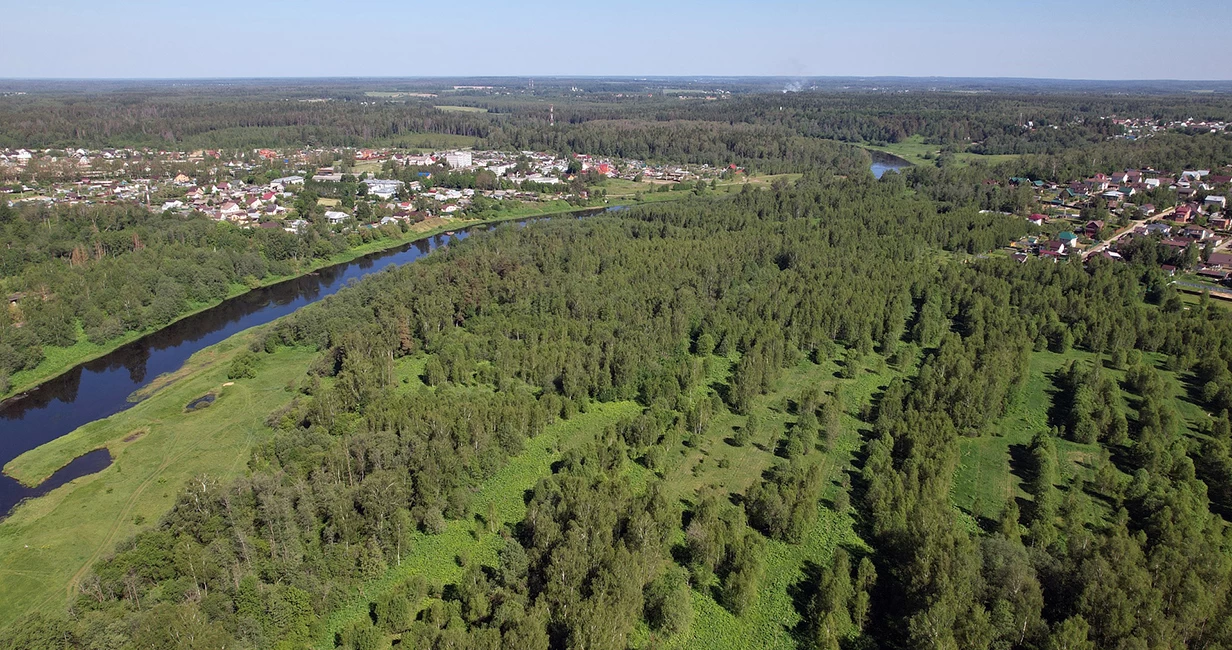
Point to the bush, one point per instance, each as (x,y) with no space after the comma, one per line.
(243,366)
(669,605)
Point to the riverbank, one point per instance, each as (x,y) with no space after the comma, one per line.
(158,447)
(59,360)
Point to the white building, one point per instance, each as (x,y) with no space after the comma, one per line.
(335,217)
(458,159)
(385,189)
(287,180)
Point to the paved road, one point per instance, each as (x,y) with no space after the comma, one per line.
(1125,231)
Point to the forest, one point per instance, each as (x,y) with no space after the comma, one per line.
(540,324)
(861,338)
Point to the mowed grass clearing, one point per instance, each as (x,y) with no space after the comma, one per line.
(50,542)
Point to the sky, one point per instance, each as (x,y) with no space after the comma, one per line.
(1129,39)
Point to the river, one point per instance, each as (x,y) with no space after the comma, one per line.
(98,389)
(884,162)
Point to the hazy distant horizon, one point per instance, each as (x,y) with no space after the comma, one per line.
(1014,39)
(627,77)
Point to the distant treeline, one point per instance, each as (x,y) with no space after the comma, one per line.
(777,132)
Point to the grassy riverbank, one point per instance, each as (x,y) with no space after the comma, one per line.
(51,541)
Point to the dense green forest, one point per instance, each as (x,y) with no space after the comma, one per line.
(426,382)
(99,272)
(534,325)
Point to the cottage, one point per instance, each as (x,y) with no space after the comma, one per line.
(334,217)
(1052,248)
(1220,259)
(1092,228)
(1215,201)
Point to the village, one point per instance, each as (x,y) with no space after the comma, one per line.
(344,188)
(1185,213)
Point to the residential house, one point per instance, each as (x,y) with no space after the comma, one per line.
(1220,259)
(1215,201)
(1092,228)
(230,210)
(1194,231)
(1052,248)
(1157,228)
(296,226)
(334,217)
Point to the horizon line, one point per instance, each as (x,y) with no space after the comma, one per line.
(634,77)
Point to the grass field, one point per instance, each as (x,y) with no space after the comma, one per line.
(49,542)
(992,468)
(462,109)
(918,152)
(620,189)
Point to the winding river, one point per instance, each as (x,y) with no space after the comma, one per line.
(100,388)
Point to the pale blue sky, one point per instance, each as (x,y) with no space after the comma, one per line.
(1131,39)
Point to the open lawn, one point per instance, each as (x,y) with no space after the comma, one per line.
(50,542)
